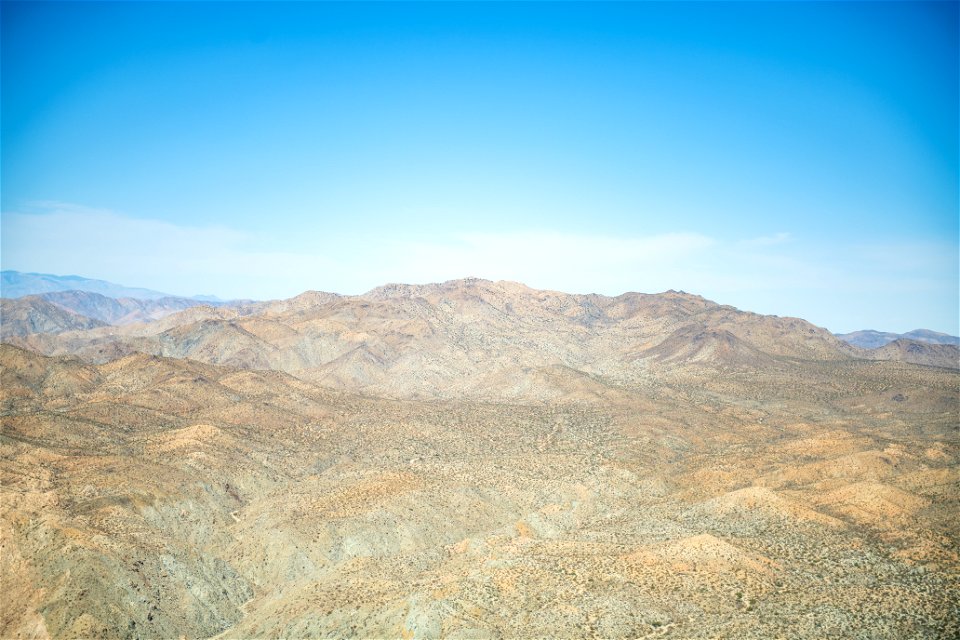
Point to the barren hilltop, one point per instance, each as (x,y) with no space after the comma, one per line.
(471,459)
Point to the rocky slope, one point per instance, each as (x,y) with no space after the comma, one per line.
(33,315)
(155,497)
(118,311)
(549,465)
(464,338)
(915,352)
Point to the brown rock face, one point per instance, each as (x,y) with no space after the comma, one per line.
(474,460)
(24,316)
(463,339)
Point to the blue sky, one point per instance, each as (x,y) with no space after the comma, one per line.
(788,158)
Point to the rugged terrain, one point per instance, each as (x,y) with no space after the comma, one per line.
(913,351)
(472,339)
(17,284)
(61,311)
(34,315)
(870,339)
(474,460)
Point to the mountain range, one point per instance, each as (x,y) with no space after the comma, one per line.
(870,339)
(61,311)
(470,459)
(16,284)
(466,338)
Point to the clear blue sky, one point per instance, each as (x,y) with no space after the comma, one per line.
(789,158)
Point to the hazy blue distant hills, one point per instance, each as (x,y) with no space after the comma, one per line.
(120,311)
(870,339)
(16,284)
(933,337)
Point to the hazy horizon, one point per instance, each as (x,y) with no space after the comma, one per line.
(797,159)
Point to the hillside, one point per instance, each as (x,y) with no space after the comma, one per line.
(464,338)
(916,352)
(473,459)
(157,497)
(32,315)
(119,311)
(870,339)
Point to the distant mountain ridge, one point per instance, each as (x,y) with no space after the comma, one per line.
(462,338)
(466,338)
(16,284)
(121,311)
(870,339)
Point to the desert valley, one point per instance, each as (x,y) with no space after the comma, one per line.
(471,459)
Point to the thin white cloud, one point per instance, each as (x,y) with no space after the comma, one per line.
(547,259)
(64,238)
(767,241)
(63,233)
(69,239)
(773,274)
